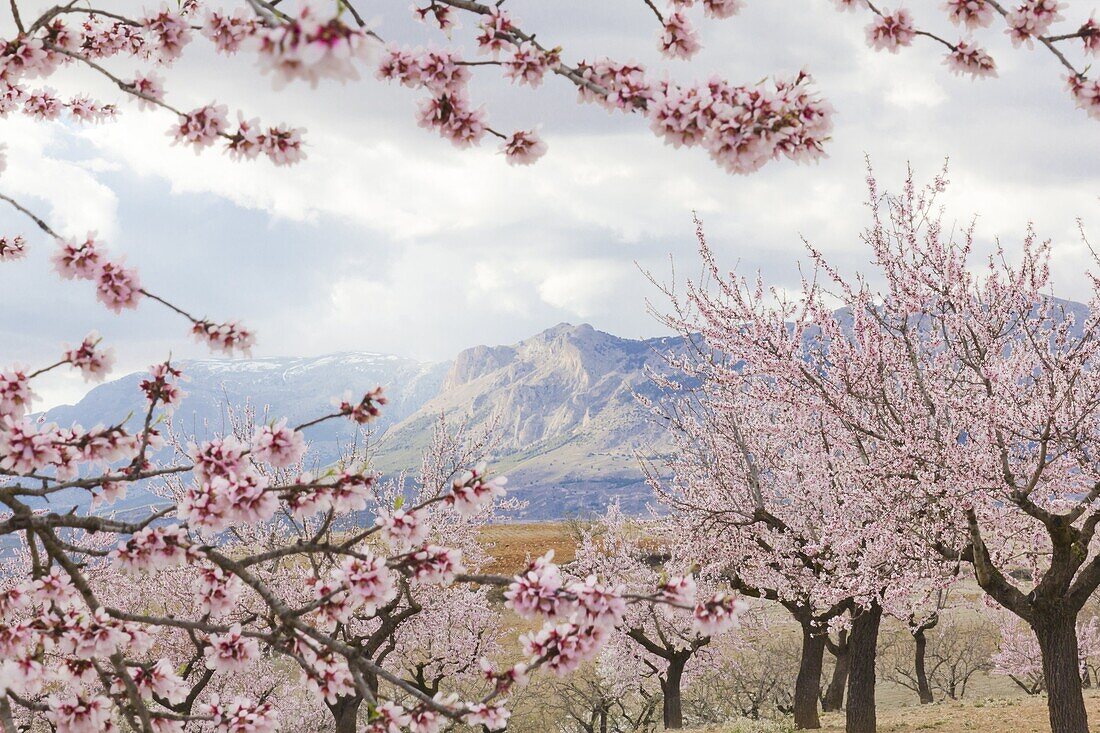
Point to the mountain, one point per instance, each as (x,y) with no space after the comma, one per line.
(566,419)
(567,424)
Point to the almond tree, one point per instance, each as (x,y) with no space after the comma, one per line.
(972,395)
(780,498)
(638,557)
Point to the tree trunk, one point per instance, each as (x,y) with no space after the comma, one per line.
(924,691)
(808,684)
(345,711)
(834,695)
(1057,636)
(860,717)
(673,709)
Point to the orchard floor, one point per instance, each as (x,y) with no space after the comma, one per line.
(1014,715)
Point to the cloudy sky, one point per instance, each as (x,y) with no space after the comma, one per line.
(388,239)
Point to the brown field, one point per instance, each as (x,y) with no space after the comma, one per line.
(513,544)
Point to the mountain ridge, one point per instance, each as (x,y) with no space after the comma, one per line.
(568,425)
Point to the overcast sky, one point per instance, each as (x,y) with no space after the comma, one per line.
(388,239)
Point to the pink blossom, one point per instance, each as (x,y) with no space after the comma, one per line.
(327,676)
(537,591)
(152,548)
(493,717)
(970,59)
(314,44)
(54,587)
(83,109)
(92,360)
(22,675)
(241,716)
(149,89)
(523,147)
(564,647)
(11,248)
(598,605)
(390,718)
(441,15)
(434,565)
(170,34)
(366,409)
(26,449)
(92,634)
(201,127)
(400,529)
(79,715)
(227,337)
(527,65)
(229,32)
(159,678)
(283,145)
(472,492)
(1086,93)
(79,261)
(969,13)
(109,493)
(221,457)
(722,8)
(230,652)
(497,29)
(678,40)
(718,614)
(42,104)
(1032,18)
(117,287)
(1090,37)
(679,590)
(278,445)
(442,72)
(162,386)
(426,720)
(218,591)
(891,31)
(16,394)
(370,582)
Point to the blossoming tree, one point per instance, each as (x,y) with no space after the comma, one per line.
(775,494)
(637,557)
(972,395)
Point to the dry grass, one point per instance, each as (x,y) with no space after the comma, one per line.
(1014,715)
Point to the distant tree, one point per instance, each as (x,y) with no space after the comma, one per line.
(625,556)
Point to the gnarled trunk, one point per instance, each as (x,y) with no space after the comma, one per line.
(860,716)
(834,694)
(807,686)
(924,691)
(345,713)
(1057,635)
(673,709)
